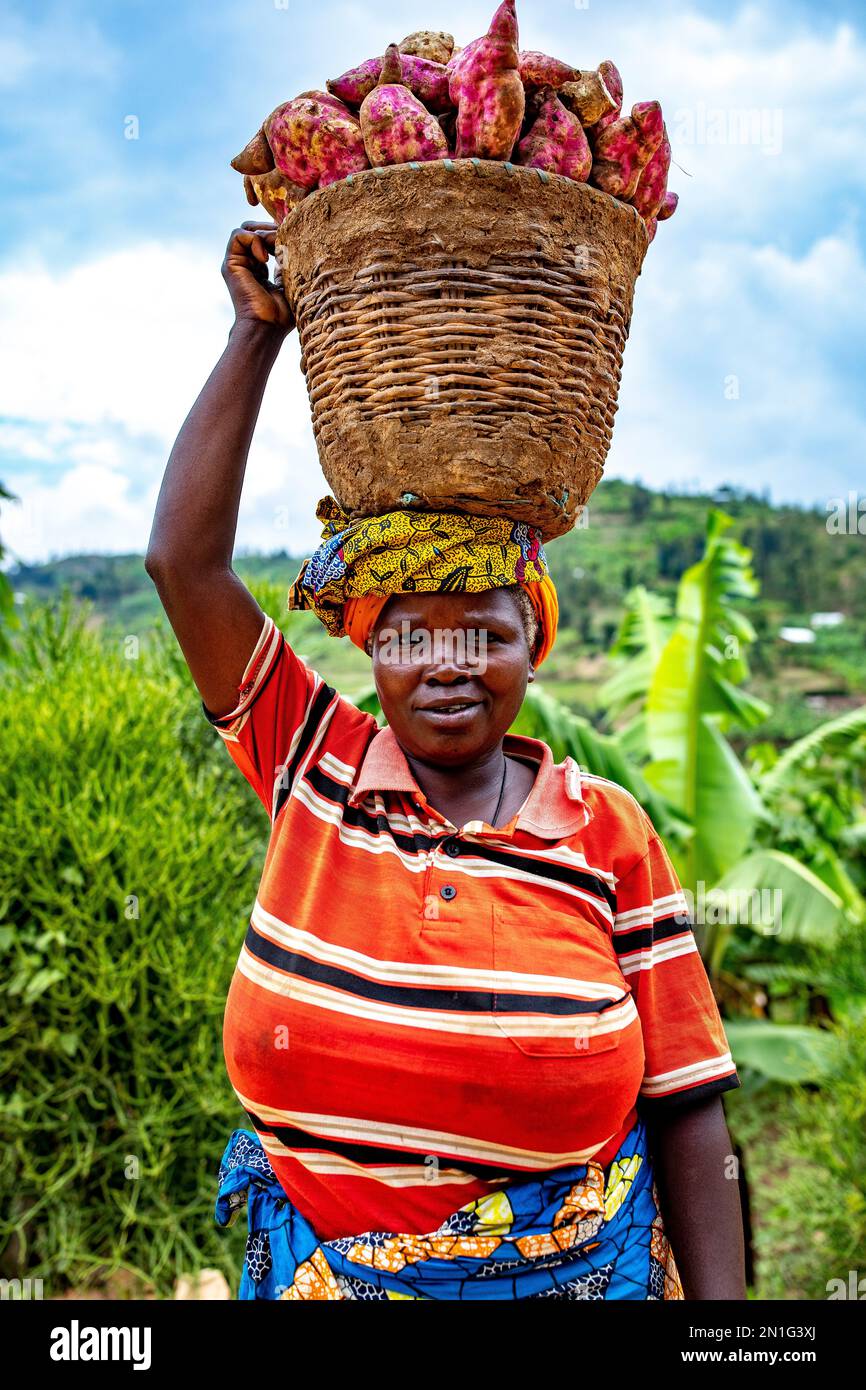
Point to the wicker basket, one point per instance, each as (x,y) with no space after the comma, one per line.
(462,325)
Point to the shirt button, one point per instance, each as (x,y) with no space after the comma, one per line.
(448,891)
(452,848)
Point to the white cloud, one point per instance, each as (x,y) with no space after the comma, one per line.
(745,374)
(98,368)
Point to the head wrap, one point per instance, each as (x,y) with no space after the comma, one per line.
(362,563)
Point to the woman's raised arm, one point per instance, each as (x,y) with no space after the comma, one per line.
(189,558)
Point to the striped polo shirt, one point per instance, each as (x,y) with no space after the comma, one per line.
(423,1012)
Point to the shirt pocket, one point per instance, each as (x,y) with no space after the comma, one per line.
(559,991)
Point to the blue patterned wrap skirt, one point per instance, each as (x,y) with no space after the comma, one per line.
(577,1233)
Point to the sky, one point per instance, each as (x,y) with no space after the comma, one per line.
(745,361)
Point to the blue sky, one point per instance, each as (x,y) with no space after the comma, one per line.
(746,356)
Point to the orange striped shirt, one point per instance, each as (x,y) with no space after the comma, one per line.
(422,1012)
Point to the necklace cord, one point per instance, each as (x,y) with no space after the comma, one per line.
(501,789)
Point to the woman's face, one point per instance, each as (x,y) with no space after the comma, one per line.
(451,671)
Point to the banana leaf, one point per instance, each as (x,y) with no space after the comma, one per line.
(790,1053)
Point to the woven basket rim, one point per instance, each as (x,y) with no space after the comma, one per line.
(373,177)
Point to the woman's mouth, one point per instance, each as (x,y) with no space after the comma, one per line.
(450,712)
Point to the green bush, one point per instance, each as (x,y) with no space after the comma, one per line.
(131,853)
(805,1149)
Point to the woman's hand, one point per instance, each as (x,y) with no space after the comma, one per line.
(215,618)
(255,296)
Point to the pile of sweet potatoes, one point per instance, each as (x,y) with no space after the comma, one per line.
(428,99)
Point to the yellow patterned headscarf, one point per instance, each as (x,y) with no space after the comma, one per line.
(361,564)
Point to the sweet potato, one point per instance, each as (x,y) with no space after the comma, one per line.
(426,80)
(487,90)
(652,227)
(256,157)
(556,142)
(539,70)
(357,83)
(397,127)
(588,97)
(623,149)
(313,143)
(653,182)
(327,99)
(277,194)
(669,206)
(432,44)
(457,65)
(610,76)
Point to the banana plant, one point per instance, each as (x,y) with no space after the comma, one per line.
(695,698)
(678,686)
(644,632)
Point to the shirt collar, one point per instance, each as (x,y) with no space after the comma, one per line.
(554,808)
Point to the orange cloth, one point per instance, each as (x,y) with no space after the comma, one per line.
(360,615)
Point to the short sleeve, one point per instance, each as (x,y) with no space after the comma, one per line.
(687,1052)
(284,708)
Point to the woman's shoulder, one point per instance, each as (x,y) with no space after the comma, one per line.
(618,827)
(598,811)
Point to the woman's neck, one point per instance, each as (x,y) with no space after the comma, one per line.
(469,791)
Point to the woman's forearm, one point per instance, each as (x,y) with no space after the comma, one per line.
(214,616)
(196,515)
(696,1175)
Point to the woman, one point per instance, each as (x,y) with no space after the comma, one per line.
(469,1025)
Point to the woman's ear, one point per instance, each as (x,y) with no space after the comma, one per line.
(531,675)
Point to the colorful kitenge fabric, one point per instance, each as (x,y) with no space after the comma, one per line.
(577,1233)
(412,552)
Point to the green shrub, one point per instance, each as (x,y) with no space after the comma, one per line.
(131,853)
(805,1149)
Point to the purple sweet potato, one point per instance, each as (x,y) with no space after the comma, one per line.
(488,92)
(652,227)
(623,149)
(256,157)
(396,126)
(277,194)
(432,44)
(539,70)
(427,81)
(610,76)
(588,97)
(669,206)
(653,182)
(556,142)
(457,65)
(327,99)
(357,83)
(313,143)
